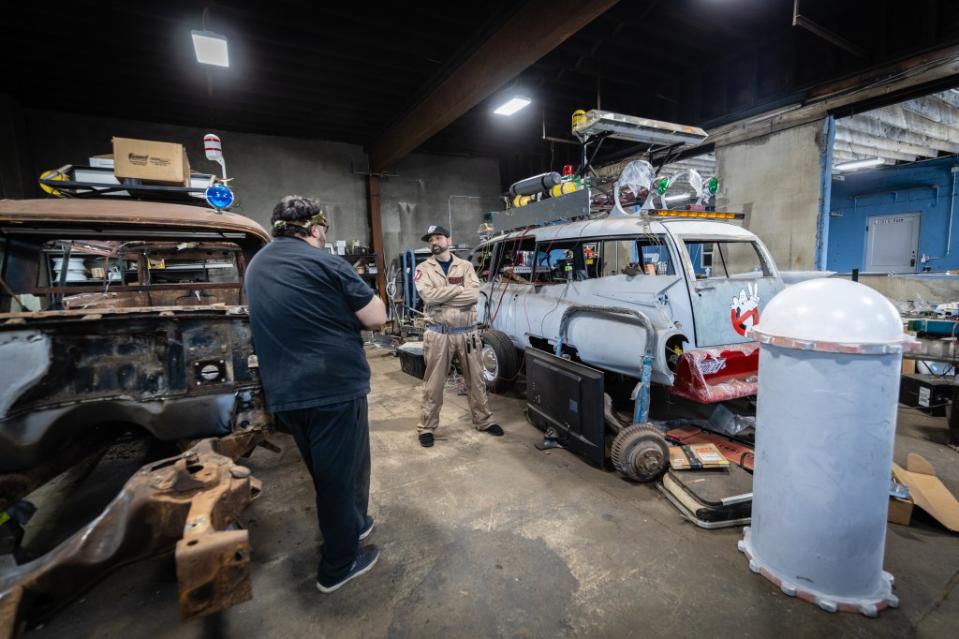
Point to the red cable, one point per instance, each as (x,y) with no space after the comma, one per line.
(506,285)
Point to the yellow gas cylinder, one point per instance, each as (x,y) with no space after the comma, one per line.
(557,190)
(579,118)
(521,200)
(569,187)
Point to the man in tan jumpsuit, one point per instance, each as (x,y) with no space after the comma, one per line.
(449,288)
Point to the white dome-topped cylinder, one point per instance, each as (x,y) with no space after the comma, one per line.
(829,366)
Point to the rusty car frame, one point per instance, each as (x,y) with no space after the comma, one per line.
(129,314)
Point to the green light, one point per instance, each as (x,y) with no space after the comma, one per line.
(662,185)
(712,185)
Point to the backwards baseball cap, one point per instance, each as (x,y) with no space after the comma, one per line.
(434,230)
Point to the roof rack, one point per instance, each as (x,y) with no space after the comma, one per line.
(629,127)
(90,181)
(658,214)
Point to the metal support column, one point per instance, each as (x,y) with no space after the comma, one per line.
(825,191)
(376,234)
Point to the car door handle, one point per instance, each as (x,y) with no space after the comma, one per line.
(704,287)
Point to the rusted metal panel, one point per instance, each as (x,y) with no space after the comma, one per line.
(176,377)
(124,212)
(194,498)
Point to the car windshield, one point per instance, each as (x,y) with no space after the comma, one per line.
(67,273)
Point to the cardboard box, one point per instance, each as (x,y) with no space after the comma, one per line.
(927,491)
(695,456)
(900,511)
(151,161)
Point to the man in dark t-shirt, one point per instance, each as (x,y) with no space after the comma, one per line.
(307,308)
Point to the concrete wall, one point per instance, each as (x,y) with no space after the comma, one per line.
(420,195)
(775,181)
(934,288)
(266,168)
(925,188)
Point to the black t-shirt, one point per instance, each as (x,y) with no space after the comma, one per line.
(303,302)
(445,265)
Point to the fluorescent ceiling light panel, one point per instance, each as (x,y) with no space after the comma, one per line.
(211,48)
(677,198)
(859,164)
(512,105)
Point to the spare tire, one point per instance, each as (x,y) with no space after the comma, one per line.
(500,361)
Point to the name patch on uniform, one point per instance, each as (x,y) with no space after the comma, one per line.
(455,280)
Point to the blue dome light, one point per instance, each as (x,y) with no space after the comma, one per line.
(219,196)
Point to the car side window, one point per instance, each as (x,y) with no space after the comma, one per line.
(482,259)
(562,261)
(648,255)
(515,263)
(725,259)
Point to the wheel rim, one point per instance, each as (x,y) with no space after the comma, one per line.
(490,363)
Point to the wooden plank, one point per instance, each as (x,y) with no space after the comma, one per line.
(533,31)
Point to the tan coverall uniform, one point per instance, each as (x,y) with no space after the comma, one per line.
(450,302)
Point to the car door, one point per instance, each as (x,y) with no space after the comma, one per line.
(730,281)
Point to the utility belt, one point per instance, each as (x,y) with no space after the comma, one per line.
(450,330)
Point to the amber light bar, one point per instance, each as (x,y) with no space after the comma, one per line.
(703,215)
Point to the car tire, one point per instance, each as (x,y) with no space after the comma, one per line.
(500,361)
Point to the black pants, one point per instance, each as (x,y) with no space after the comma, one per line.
(335,444)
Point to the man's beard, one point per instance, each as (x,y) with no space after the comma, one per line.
(437,249)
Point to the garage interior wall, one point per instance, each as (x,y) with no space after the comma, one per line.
(424,190)
(775,181)
(415,193)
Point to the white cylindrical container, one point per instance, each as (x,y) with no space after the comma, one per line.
(829,366)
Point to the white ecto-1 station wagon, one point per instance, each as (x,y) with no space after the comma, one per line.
(686,285)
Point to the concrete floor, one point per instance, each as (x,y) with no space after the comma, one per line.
(489,537)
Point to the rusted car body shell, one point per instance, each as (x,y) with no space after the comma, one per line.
(181,372)
(128,214)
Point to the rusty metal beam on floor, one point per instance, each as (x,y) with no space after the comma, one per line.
(536,29)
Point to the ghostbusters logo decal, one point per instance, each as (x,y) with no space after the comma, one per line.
(744,312)
(431,228)
(416,278)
